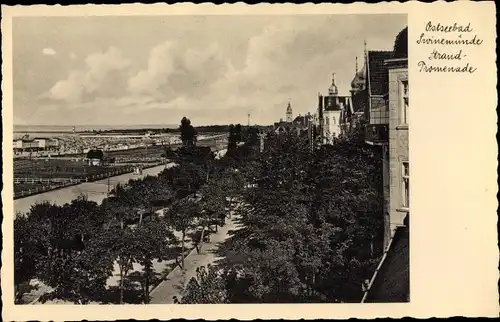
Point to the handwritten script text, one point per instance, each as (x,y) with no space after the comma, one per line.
(450,43)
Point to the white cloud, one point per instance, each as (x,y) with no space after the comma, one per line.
(160,66)
(88,80)
(174,70)
(70,89)
(49,51)
(73,56)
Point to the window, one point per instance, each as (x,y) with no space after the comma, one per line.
(405,91)
(333,120)
(327,121)
(406,184)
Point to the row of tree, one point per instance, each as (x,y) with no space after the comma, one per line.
(312,226)
(74,248)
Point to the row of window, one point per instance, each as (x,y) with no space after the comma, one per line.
(327,120)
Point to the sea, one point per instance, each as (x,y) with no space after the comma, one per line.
(49,131)
(83,128)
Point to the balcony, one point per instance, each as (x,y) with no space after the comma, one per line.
(376,134)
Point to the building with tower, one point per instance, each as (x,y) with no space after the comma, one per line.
(333,110)
(289,113)
(303,125)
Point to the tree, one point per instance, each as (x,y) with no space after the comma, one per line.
(188,132)
(85,219)
(185,179)
(31,243)
(66,256)
(213,203)
(209,287)
(78,276)
(238,133)
(120,206)
(181,217)
(152,241)
(148,193)
(121,244)
(232,141)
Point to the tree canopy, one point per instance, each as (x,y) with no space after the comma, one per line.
(309,226)
(188,132)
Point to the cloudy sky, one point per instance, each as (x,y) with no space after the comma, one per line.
(213,69)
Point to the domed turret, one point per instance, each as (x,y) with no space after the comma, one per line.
(401,44)
(359,79)
(333,90)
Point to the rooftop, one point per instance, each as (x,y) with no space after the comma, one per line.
(392,282)
(377,72)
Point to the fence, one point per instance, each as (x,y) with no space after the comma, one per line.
(138,160)
(58,183)
(42,189)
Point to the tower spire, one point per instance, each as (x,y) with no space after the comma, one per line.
(356,64)
(333,88)
(366,52)
(289,111)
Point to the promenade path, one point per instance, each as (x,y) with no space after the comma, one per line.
(176,281)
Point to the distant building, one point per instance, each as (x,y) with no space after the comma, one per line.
(333,110)
(302,125)
(26,144)
(299,125)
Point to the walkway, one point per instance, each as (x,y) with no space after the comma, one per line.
(176,281)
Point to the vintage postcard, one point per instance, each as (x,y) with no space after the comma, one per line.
(260,159)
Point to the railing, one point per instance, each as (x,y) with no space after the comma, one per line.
(47,180)
(49,184)
(42,189)
(377,133)
(139,160)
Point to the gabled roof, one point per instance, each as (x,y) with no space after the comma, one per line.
(392,281)
(377,72)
